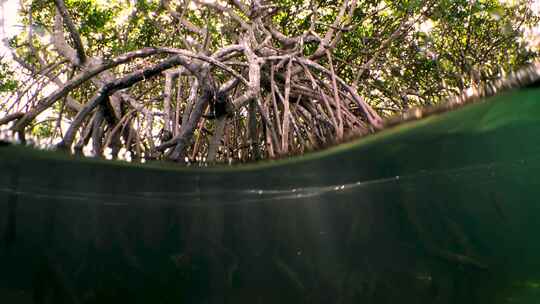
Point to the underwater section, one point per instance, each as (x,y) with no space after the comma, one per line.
(442,210)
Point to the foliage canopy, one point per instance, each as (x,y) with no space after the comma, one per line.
(235,81)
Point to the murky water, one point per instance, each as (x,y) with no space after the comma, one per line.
(465,235)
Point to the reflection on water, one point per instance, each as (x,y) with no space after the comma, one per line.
(240,196)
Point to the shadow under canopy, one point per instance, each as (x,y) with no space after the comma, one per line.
(441,210)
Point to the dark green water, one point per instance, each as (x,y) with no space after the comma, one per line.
(445,210)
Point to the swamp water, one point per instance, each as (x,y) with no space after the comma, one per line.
(444,210)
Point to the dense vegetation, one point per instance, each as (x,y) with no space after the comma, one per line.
(236,81)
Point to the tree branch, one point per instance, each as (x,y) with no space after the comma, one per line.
(73,33)
(74,83)
(111,87)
